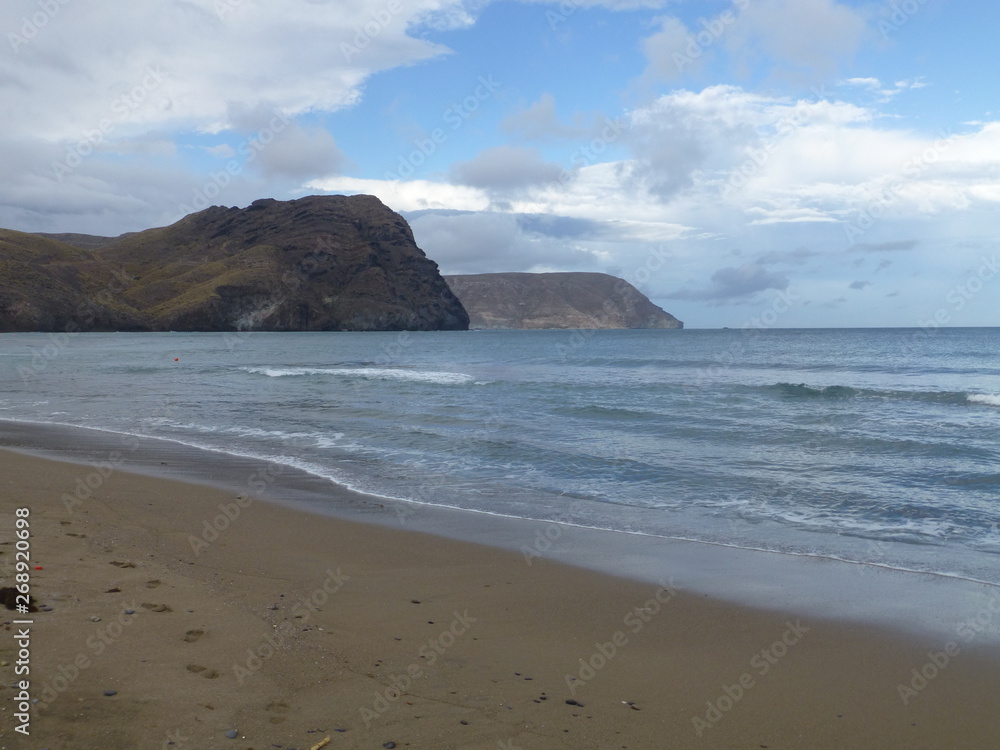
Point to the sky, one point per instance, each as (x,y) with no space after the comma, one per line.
(767,163)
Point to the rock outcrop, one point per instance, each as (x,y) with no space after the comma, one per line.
(556,300)
(314,264)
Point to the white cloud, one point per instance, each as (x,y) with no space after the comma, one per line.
(95,110)
(714,162)
(881,92)
(186,62)
(415,195)
(872,83)
(788,215)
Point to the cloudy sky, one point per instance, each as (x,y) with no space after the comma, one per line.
(779,162)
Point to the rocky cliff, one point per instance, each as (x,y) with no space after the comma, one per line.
(314,264)
(556,300)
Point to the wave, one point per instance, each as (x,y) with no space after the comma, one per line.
(960,398)
(802,390)
(986,399)
(603,412)
(368,373)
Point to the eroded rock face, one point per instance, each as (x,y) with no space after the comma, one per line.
(314,264)
(556,300)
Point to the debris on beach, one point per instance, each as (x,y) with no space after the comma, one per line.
(9,595)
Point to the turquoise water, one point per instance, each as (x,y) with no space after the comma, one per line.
(873,445)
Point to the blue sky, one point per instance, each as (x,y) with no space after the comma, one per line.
(744,162)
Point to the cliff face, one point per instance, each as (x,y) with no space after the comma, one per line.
(556,300)
(314,264)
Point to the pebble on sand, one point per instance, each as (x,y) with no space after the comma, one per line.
(232,734)
(110,693)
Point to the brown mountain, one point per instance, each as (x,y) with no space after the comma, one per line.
(556,300)
(313,264)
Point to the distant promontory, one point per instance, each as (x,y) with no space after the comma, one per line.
(556,300)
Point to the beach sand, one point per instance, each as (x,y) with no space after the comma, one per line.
(290,628)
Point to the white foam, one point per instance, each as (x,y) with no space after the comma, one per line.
(988,399)
(368,373)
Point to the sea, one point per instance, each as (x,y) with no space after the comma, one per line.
(872,446)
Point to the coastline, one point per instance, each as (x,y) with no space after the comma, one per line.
(288,622)
(917,602)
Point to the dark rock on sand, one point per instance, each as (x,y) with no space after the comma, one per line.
(8,597)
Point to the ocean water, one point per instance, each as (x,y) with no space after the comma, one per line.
(878,446)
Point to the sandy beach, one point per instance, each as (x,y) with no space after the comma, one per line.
(174,614)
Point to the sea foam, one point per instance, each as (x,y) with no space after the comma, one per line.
(988,399)
(367,373)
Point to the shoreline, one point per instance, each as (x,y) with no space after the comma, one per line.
(912,601)
(288,622)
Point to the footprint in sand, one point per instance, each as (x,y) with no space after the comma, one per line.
(208,674)
(156,607)
(278,708)
(153,584)
(193,635)
(118,564)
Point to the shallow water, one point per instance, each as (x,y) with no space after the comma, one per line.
(872,445)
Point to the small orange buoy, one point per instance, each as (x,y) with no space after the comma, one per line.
(176,359)
(39,567)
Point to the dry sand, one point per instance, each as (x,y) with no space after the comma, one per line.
(291,628)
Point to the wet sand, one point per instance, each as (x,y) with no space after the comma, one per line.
(290,628)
